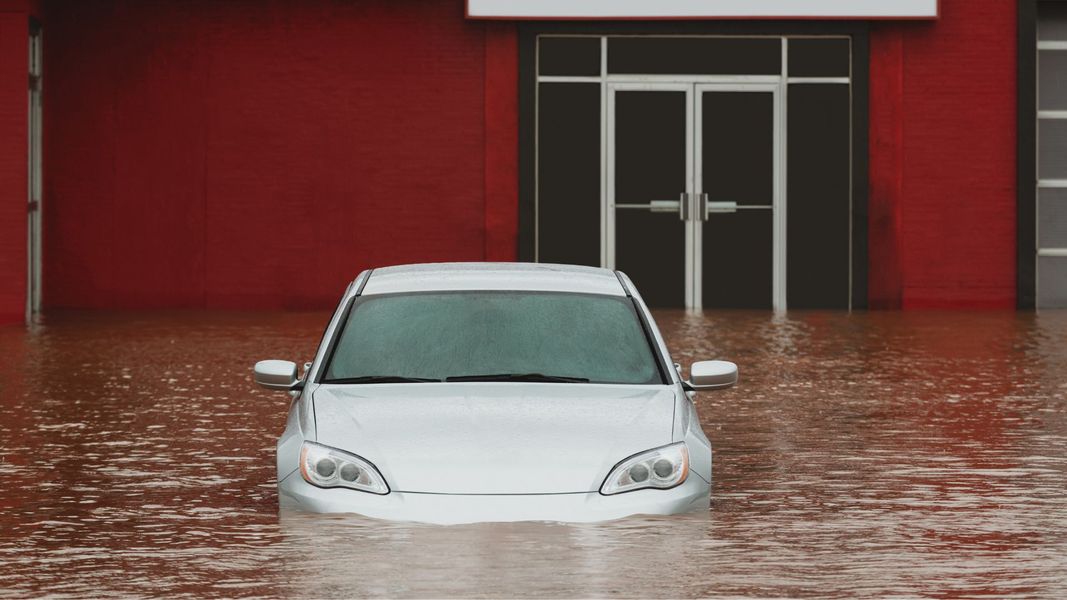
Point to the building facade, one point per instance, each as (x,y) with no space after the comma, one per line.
(738,154)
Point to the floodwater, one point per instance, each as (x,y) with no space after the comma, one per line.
(873,454)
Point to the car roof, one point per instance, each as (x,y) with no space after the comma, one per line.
(493,276)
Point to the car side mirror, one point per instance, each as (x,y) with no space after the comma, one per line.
(275,374)
(712,375)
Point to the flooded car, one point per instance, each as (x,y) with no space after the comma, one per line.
(469,392)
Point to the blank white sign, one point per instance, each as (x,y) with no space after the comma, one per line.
(702,9)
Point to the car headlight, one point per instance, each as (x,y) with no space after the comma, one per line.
(661,468)
(329,468)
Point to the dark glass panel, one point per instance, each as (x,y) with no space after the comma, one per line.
(737,161)
(1052,282)
(738,260)
(1052,149)
(820,57)
(1052,80)
(575,56)
(694,55)
(650,164)
(1052,218)
(1052,22)
(568,164)
(819,196)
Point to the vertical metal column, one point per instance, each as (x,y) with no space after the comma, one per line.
(33,207)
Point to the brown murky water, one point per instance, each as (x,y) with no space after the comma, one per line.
(880,454)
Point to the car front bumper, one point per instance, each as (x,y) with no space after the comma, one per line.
(447,509)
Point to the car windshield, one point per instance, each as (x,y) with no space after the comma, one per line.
(493,336)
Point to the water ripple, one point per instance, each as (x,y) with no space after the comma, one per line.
(864,455)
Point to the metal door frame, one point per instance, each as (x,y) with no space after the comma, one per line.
(693,87)
(778,199)
(529,235)
(608,204)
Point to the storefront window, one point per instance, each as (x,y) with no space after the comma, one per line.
(1052,156)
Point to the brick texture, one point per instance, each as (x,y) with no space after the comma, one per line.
(502,141)
(943,144)
(13,156)
(260,154)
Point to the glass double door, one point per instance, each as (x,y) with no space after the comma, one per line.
(694,211)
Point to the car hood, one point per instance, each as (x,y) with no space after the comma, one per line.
(494,438)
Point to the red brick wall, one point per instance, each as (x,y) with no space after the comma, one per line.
(501,141)
(943,143)
(260,154)
(14,28)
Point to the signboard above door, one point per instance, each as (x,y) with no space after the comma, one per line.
(703,9)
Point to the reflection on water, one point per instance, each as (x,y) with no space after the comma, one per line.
(862,455)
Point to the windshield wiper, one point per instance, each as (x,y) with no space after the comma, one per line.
(381,379)
(536,377)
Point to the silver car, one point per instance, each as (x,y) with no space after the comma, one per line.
(454,393)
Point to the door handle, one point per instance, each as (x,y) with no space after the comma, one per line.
(682,206)
(719,207)
(690,207)
(663,206)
